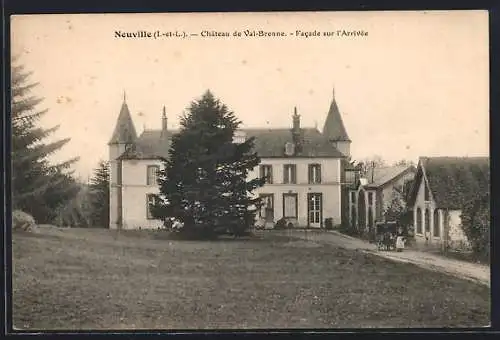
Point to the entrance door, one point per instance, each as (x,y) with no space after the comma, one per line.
(315,209)
(267,208)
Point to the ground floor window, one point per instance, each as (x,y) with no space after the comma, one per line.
(419,221)
(290,208)
(370,217)
(436,229)
(427,221)
(353,217)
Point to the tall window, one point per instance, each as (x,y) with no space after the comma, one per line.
(370,198)
(419,221)
(314,173)
(436,230)
(152,174)
(427,221)
(426,191)
(266,171)
(150,201)
(289,174)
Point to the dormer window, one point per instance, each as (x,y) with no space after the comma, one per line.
(289,149)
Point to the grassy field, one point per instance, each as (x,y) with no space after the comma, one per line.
(97,279)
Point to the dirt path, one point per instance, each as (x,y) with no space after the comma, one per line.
(466,270)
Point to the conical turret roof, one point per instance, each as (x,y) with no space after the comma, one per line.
(334,129)
(124,130)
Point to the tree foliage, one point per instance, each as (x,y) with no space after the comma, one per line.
(475,219)
(404,162)
(90,206)
(204,182)
(398,209)
(38,187)
(99,191)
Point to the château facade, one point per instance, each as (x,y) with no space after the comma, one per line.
(303,167)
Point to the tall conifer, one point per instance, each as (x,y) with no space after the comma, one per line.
(205,181)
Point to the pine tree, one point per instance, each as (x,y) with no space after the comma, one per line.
(38,187)
(204,182)
(99,195)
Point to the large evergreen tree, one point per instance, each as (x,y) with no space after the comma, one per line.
(38,187)
(204,181)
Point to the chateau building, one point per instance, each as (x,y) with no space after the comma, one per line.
(304,170)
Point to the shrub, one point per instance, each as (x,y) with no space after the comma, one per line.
(281,224)
(476,224)
(329,223)
(22,221)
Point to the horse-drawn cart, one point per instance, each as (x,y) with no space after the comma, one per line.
(387,236)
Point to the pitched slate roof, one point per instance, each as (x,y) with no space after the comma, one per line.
(124,130)
(334,128)
(384,175)
(455,180)
(271,143)
(268,143)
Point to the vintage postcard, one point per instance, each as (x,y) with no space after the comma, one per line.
(281,170)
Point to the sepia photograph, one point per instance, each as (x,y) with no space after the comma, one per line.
(249,171)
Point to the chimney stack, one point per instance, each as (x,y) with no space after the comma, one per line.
(296,120)
(296,133)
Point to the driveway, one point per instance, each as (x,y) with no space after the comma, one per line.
(466,270)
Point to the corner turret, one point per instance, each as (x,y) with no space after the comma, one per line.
(334,129)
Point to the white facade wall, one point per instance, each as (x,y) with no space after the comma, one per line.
(330,186)
(134,189)
(134,194)
(420,202)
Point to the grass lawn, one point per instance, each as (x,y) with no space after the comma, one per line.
(94,279)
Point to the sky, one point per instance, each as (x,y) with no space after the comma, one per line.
(416,84)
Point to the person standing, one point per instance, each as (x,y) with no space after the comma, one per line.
(400,240)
